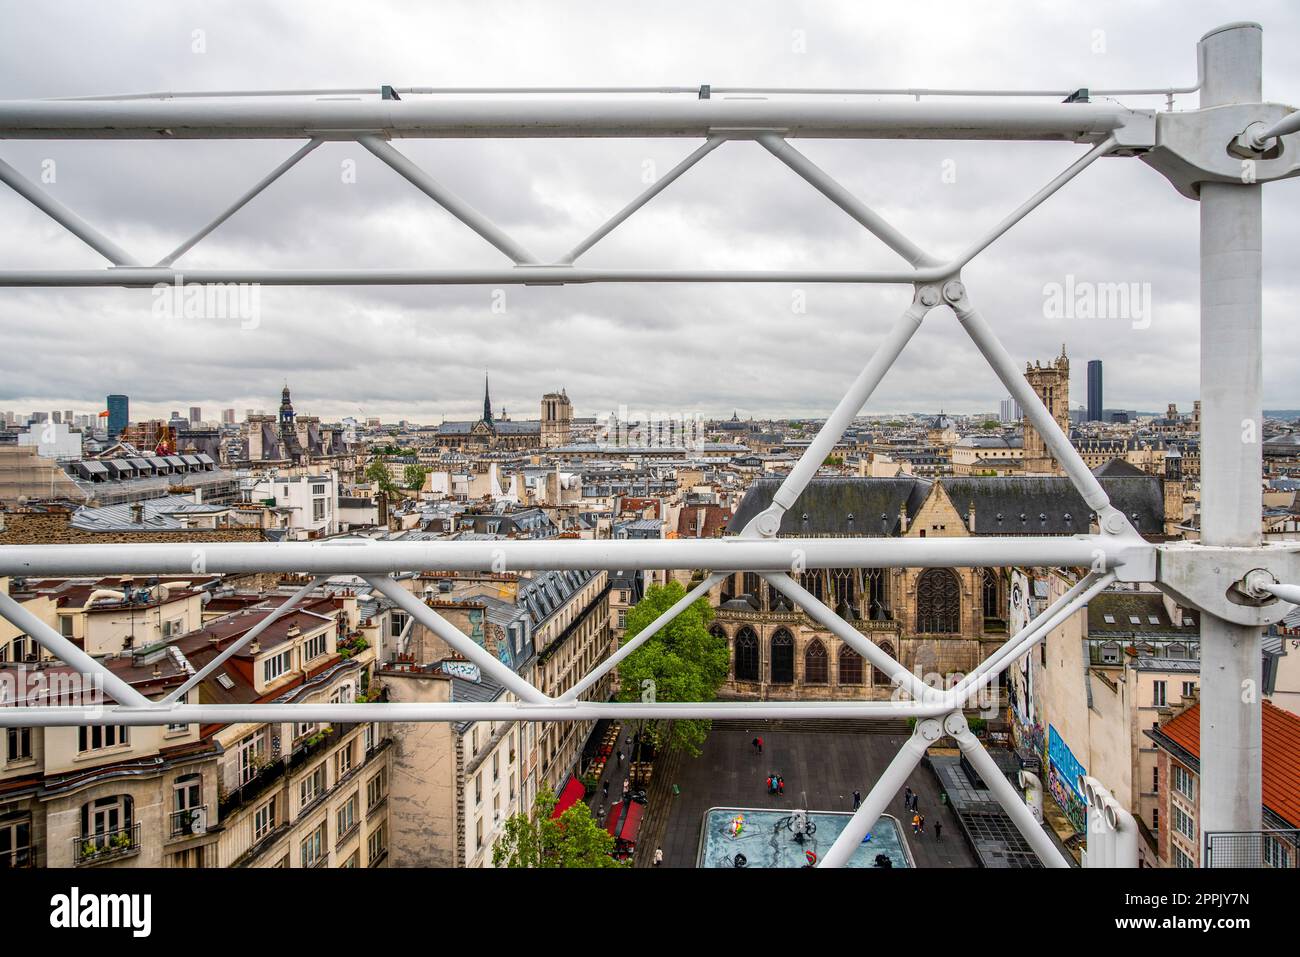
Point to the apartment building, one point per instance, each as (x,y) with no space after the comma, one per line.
(1182,843)
(107,615)
(454,785)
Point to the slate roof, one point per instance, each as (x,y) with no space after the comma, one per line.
(828,501)
(1004,504)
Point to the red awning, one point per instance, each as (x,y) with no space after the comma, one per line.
(573,793)
(625,820)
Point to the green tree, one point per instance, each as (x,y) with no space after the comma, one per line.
(991,424)
(683,660)
(378,473)
(538,840)
(414,476)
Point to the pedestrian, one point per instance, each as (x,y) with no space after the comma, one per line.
(754,745)
(600,816)
(620,759)
(857,800)
(659,856)
(780,784)
(916,824)
(759,739)
(627,786)
(907,797)
(921,818)
(770,789)
(938,830)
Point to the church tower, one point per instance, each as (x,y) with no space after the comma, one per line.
(1052,384)
(557,419)
(487,401)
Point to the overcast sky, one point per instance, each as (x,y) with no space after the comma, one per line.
(421,353)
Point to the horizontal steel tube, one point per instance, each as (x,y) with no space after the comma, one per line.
(253,118)
(466,711)
(147,277)
(366,557)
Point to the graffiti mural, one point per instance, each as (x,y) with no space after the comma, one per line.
(1063,773)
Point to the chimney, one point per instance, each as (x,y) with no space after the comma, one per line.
(699,521)
(137,513)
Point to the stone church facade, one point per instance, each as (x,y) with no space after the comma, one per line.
(939,622)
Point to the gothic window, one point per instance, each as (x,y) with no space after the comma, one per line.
(878,677)
(877,595)
(815,664)
(938,602)
(850,666)
(746,655)
(751,586)
(782,658)
(813,582)
(992,606)
(845,586)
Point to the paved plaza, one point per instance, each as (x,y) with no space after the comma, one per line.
(821,771)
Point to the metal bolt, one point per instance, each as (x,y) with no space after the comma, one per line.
(954,291)
(929,296)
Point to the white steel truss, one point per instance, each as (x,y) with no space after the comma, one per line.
(1238,583)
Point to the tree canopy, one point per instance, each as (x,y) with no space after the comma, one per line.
(574,839)
(378,473)
(683,660)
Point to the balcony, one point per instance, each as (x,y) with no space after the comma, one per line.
(189,822)
(104,846)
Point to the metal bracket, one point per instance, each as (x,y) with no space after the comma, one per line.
(1206,146)
(1224,581)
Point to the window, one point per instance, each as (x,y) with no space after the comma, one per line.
(1184,783)
(1183,822)
(95,737)
(850,666)
(264,820)
(312,786)
(622,618)
(318,510)
(16,845)
(376,789)
(371,736)
(815,664)
(1158,694)
(1155,779)
(342,761)
(103,821)
(18,744)
(354,860)
(1277,853)
(187,803)
(478,833)
(1181,859)
(938,602)
(346,817)
(313,847)
(1189,689)
(1155,819)
(65,626)
(782,658)
(251,751)
(377,844)
(1134,620)
(478,788)
(313,647)
(878,677)
(276,665)
(746,655)
(1110,619)
(496,766)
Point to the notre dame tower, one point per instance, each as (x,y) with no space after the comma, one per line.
(1052,383)
(557,419)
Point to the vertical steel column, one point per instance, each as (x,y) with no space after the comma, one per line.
(1231,449)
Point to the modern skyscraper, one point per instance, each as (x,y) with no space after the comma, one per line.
(196,414)
(1094,390)
(119,415)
